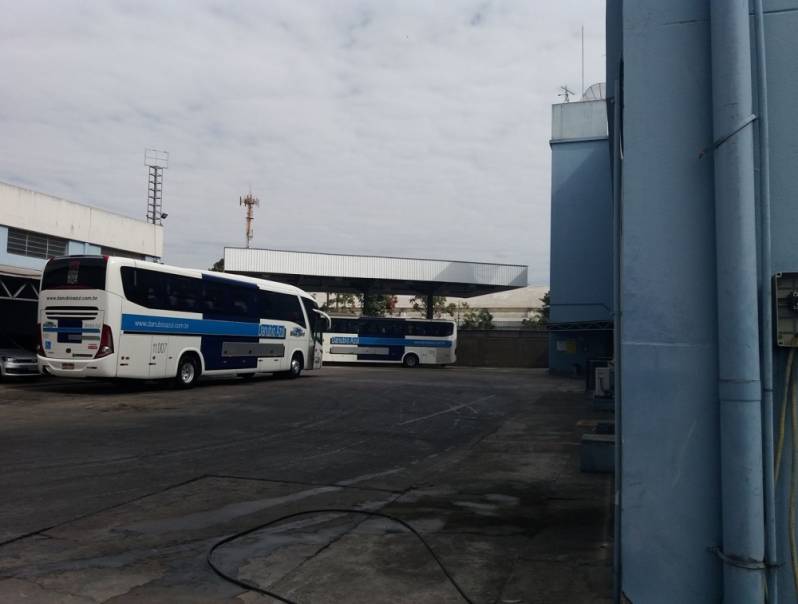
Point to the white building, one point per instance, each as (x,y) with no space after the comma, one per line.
(35,226)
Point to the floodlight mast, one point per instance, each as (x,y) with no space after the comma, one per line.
(157,161)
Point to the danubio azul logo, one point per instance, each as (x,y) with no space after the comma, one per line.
(199,327)
(344,340)
(271,331)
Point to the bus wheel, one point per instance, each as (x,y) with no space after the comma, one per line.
(187,371)
(410,360)
(296,367)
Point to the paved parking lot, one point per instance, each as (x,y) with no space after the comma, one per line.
(114,492)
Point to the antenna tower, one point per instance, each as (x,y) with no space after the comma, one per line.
(582,91)
(157,161)
(250,202)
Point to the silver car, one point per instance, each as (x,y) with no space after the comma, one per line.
(15,361)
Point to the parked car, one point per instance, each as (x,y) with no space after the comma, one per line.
(15,361)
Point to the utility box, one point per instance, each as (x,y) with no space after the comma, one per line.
(605,382)
(785,309)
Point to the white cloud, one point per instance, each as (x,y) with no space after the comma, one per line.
(399,128)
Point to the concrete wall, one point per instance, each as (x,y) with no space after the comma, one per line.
(578,120)
(80,224)
(505,348)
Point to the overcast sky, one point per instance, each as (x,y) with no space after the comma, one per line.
(370,127)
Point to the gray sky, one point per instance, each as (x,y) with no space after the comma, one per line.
(372,127)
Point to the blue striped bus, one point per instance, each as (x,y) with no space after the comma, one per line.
(107,317)
(411,342)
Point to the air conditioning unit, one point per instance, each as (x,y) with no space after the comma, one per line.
(605,382)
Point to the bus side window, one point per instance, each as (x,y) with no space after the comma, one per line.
(266,304)
(396,329)
(312,316)
(288,309)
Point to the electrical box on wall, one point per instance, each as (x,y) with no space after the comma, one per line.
(785,308)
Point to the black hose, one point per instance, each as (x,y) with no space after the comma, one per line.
(266,592)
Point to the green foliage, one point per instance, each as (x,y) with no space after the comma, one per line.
(339,303)
(218,266)
(477,319)
(545,309)
(457,311)
(439,306)
(541,317)
(375,305)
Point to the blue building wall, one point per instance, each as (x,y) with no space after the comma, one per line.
(670,483)
(570,351)
(581,251)
(670,510)
(781,25)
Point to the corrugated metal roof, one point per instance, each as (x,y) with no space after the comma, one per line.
(481,276)
(16,271)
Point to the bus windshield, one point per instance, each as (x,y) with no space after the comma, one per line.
(74,273)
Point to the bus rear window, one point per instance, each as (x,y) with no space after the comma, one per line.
(74,273)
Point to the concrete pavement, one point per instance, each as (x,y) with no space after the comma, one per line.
(114,492)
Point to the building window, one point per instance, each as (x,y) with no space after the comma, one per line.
(35,245)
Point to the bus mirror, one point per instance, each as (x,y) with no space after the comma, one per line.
(326,317)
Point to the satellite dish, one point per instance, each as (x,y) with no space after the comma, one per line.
(596,92)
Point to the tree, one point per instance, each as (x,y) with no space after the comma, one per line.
(218,266)
(541,315)
(457,311)
(340,303)
(377,305)
(545,309)
(478,319)
(439,306)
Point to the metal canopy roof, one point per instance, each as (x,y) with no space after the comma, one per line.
(19,284)
(377,274)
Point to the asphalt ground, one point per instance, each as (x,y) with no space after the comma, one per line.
(115,491)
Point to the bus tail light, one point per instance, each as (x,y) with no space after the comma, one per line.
(106,343)
(40,346)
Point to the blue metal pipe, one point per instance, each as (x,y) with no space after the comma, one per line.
(766,328)
(739,387)
(617,324)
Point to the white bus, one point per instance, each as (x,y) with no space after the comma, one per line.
(411,342)
(105,317)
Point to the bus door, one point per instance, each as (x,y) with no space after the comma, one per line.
(319,321)
(159,347)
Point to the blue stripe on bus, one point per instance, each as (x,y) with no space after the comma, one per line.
(373,341)
(199,327)
(71,329)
